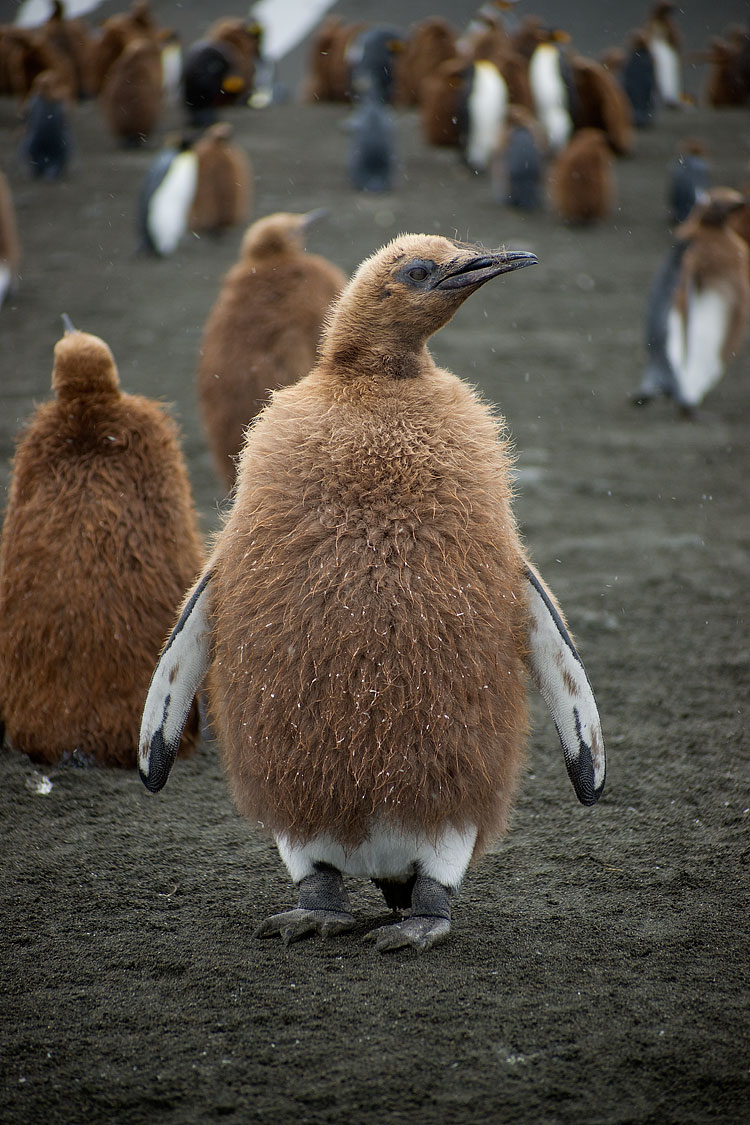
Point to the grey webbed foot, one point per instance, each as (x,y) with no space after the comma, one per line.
(428,924)
(295,924)
(323,909)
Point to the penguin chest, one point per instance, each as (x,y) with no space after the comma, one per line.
(170,203)
(368,656)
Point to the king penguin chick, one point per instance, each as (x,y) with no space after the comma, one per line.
(10,246)
(263,330)
(100,537)
(224,188)
(165,199)
(47,142)
(367,613)
(132,95)
(581,183)
(709,315)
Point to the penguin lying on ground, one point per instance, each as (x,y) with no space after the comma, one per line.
(367,613)
(99,537)
(166,198)
(263,329)
(701,300)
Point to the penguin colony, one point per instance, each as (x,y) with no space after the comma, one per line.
(99,539)
(364,628)
(263,330)
(517,98)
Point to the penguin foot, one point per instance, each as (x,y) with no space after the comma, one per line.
(428,924)
(323,909)
(417,932)
(295,924)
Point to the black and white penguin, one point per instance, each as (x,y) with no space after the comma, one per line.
(371,58)
(366,622)
(664,43)
(517,169)
(708,303)
(372,146)
(47,143)
(552,88)
(638,79)
(208,69)
(688,180)
(165,199)
(486,104)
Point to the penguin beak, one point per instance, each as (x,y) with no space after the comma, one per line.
(68,325)
(313,216)
(476,270)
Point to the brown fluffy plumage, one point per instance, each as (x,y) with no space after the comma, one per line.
(100,539)
(430,43)
(602,104)
(10,246)
(262,331)
(131,98)
(224,190)
(328,74)
(581,184)
(369,629)
(440,101)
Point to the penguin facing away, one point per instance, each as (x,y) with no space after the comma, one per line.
(263,329)
(132,95)
(367,613)
(581,183)
(165,199)
(517,167)
(224,185)
(639,80)
(372,144)
(99,537)
(47,142)
(688,179)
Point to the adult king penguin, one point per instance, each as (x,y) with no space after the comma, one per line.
(263,329)
(166,198)
(367,613)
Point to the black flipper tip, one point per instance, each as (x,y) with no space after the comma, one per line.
(161,760)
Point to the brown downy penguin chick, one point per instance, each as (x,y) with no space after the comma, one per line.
(100,537)
(73,40)
(710,314)
(263,330)
(224,188)
(329,74)
(10,246)
(430,43)
(132,95)
(368,610)
(440,109)
(601,103)
(581,184)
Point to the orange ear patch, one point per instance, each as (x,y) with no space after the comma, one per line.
(232,84)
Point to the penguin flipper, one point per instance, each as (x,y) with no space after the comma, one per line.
(177,677)
(558,672)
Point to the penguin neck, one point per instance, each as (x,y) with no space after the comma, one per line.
(350,352)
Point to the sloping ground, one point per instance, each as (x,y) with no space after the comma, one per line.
(597,968)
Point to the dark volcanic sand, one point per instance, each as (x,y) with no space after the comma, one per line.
(597,967)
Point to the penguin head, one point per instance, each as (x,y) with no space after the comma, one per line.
(280,233)
(83,365)
(713,210)
(410,288)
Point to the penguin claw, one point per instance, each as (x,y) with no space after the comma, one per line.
(292,925)
(419,932)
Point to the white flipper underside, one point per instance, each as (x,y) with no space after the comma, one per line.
(177,677)
(558,672)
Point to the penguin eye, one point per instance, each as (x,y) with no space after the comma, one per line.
(417,271)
